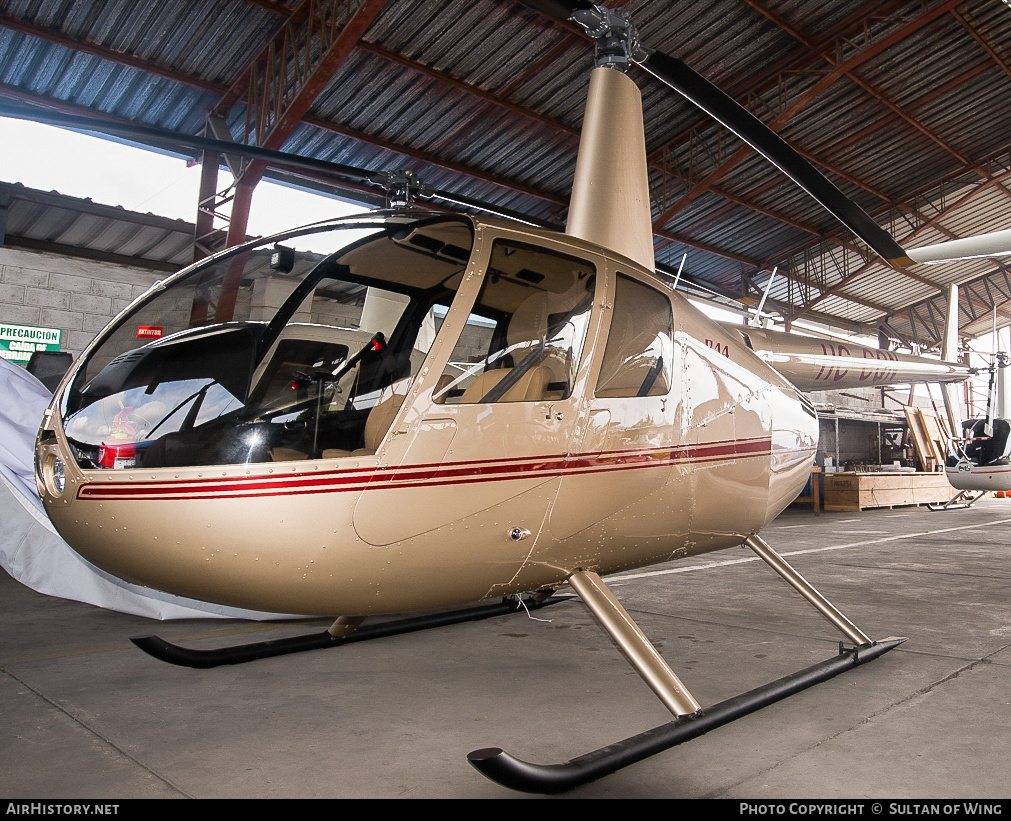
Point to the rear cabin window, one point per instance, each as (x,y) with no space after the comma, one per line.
(639,354)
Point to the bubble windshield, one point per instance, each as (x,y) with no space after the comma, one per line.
(279,351)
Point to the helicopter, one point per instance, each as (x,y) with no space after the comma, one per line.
(979,461)
(411,410)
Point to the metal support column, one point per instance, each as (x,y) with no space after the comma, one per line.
(203,233)
(236,236)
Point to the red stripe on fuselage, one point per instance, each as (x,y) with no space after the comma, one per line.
(427,475)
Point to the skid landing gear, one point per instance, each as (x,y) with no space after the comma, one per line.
(555,778)
(962,499)
(343,631)
(690,719)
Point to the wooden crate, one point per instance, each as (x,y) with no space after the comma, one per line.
(929,434)
(860,491)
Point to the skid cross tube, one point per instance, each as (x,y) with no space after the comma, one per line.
(962,499)
(517,774)
(241,653)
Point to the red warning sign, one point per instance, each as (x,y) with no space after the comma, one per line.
(148,331)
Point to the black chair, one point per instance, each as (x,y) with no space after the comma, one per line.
(982,449)
(49,367)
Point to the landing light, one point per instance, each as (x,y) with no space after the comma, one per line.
(56,478)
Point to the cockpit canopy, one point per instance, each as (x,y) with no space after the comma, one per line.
(305,345)
(244,358)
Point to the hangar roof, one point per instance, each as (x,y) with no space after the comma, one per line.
(901,104)
(53,223)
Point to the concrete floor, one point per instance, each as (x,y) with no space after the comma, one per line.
(86,715)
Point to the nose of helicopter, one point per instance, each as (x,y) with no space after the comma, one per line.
(181,533)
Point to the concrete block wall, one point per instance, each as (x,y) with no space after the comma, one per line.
(78,296)
(860,399)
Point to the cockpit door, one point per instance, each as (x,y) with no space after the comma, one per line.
(486,439)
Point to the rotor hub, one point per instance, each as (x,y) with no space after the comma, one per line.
(615,36)
(402,187)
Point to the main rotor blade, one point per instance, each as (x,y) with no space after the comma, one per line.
(337,175)
(731,114)
(173,140)
(559,9)
(727,111)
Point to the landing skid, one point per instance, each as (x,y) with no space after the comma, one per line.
(962,499)
(548,779)
(241,653)
(690,720)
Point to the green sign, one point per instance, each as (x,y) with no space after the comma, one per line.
(19,342)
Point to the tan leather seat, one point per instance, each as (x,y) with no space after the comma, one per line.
(280,454)
(531,387)
(376,427)
(526,332)
(529,327)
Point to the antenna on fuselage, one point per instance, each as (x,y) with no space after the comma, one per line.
(757,321)
(681,267)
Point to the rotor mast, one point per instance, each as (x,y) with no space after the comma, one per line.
(610,191)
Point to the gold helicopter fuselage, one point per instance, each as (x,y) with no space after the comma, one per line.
(647,433)
(402,411)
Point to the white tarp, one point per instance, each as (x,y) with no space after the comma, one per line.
(30,548)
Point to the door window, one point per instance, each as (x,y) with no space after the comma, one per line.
(525,334)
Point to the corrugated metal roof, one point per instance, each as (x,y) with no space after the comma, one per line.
(53,222)
(917,109)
